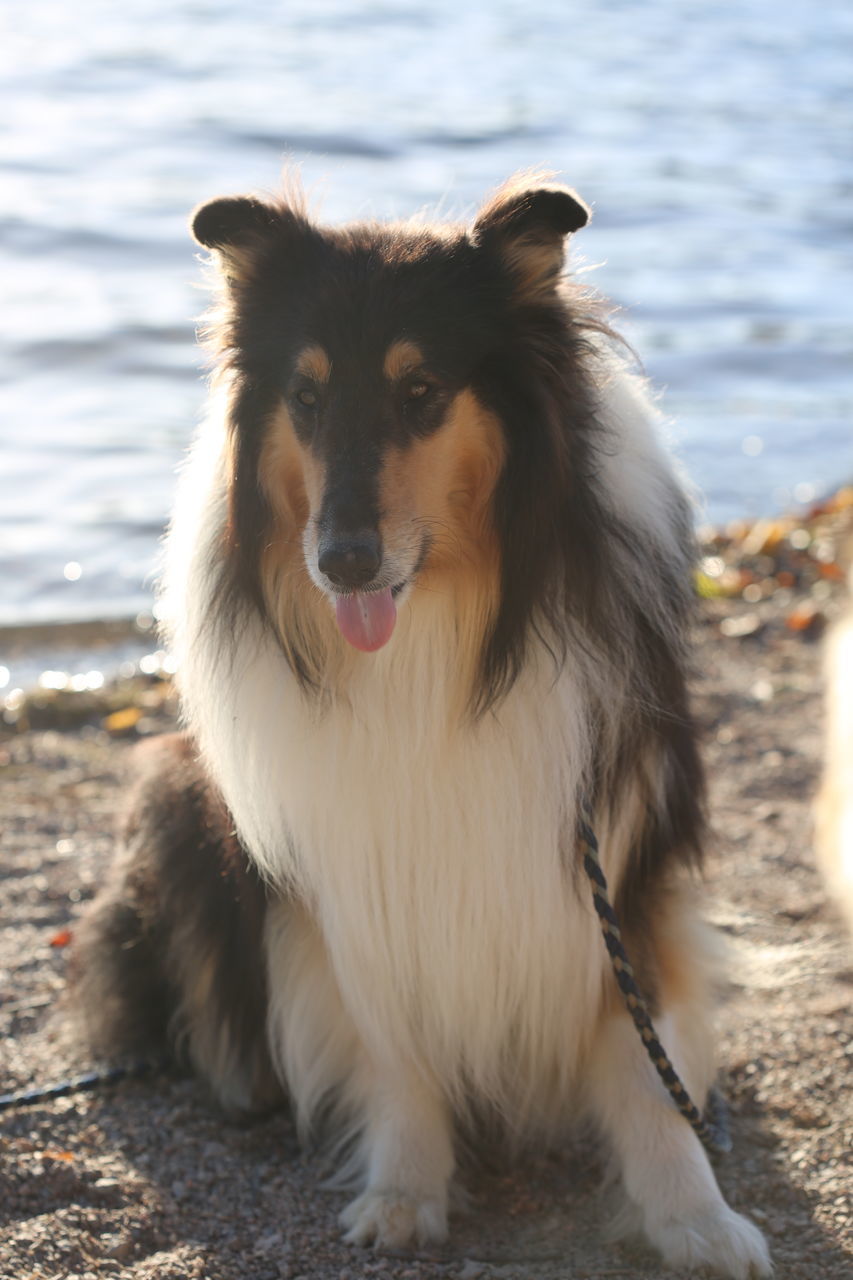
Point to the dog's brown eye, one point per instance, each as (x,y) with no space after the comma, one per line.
(417,390)
(307,397)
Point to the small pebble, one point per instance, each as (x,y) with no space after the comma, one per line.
(738,627)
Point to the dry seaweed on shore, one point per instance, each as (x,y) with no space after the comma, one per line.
(795,562)
(127,706)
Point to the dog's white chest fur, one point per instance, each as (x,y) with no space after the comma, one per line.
(434,854)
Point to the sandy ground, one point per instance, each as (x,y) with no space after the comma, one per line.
(145,1180)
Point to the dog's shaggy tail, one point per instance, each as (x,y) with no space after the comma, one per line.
(170,955)
(123,998)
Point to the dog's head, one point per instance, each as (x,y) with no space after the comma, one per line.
(373,372)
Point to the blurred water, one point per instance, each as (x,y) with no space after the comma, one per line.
(714,140)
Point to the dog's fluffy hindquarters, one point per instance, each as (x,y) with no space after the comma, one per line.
(428,584)
(171,953)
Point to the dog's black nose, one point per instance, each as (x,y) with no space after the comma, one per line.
(352,560)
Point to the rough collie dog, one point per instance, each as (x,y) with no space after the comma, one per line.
(428,584)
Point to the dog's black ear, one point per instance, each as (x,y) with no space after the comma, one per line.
(232,222)
(527,225)
(238,228)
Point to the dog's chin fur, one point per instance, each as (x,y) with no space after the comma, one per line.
(428,952)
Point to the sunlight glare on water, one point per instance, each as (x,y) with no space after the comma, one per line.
(713,140)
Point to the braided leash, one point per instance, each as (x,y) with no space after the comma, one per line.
(78,1084)
(712,1127)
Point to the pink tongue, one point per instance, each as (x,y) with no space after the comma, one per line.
(366,618)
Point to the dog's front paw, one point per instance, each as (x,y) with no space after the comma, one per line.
(720,1240)
(392,1220)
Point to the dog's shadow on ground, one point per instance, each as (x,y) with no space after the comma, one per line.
(149,1172)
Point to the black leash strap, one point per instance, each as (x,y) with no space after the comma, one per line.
(712,1127)
(77,1084)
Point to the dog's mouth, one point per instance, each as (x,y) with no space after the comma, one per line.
(366,618)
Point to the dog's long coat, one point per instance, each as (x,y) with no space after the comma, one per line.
(428,586)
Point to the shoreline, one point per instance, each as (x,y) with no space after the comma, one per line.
(92,628)
(66,671)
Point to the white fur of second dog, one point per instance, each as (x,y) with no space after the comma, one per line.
(441,950)
(835,802)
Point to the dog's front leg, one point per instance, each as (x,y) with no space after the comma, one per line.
(666,1175)
(408,1151)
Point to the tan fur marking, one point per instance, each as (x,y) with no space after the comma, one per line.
(445,483)
(293,479)
(313,362)
(443,486)
(687,951)
(237,262)
(679,956)
(287,473)
(536,265)
(401,358)
(689,958)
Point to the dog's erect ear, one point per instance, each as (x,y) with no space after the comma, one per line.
(527,225)
(238,227)
(232,222)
